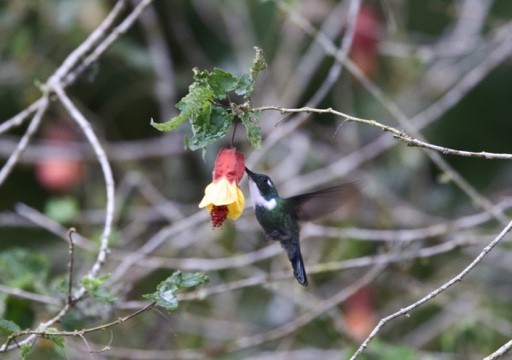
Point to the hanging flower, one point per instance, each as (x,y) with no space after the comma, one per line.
(223,198)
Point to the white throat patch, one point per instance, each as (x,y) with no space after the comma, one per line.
(258,200)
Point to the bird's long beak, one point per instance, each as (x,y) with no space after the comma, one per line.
(250,174)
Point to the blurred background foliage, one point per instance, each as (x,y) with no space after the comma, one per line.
(414,52)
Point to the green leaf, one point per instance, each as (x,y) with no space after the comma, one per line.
(188,280)
(94,287)
(52,334)
(259,64)
(165,295)
(250,119)
(170,125)
(220,82)
(204,105)
(25,351)
(22,269)
(245,86)
(62,209)
(8,327)
(211,128)
(246,82)
(193,105)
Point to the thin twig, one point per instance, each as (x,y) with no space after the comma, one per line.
(163,66)
(82,332)
(304,319)
(235,126)
(400,116)
(406,310)
(454,176)
(346,43)
(155,242)
(397,134)
(107,42)
(19,118)
(500,352)
(63,76)
(334,266)
(23,294)
(304,70)
(53,227)
(107,174)
(24,141)
(118,151)
(69,63)
(70,265)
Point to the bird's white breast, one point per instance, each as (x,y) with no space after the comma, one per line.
(258,200)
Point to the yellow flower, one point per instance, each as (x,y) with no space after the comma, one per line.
(223,198)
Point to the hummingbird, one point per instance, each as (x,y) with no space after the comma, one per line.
(280,217)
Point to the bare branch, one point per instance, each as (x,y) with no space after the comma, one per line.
(70,266)
(24,141)
(107,174)
(30,296)
(398,134)
(406,310)
(53,227)
(325,305)
(63,76)
(500,352)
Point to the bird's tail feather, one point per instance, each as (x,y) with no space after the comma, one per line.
(299,271)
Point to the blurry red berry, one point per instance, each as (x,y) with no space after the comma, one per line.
(58,172)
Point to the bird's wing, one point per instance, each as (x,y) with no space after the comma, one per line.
(319,203)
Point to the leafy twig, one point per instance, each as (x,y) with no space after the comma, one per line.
(208,107)
(43,333)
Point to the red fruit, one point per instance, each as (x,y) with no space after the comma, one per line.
(57,172)
(367,35)
(359,314)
